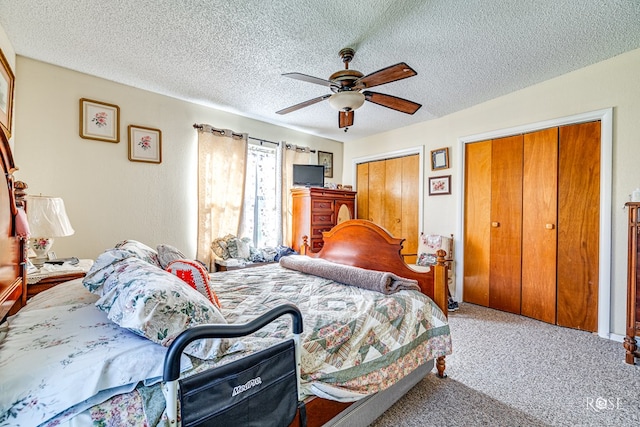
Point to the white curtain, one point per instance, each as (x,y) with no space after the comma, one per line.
(222,158)
(291,154)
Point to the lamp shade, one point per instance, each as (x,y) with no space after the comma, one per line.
(346,100)
(47,217)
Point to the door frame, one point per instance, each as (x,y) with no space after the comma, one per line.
(606,178)
(419,150)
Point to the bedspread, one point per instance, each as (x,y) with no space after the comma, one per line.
(350,334)
(355,342)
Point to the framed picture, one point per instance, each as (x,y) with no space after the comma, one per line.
(439,185)
(145,144)
(7,80)
(99,121)
(326,159)
(440,159)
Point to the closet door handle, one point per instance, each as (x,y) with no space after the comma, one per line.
(495,224)
(550,226)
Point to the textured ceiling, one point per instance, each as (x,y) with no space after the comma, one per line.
(231,54)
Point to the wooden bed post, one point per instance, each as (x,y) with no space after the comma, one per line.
(440,282)
(441,297)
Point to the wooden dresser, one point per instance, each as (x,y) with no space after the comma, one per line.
(633,277)
(316,210)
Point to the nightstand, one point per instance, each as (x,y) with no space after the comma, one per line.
(50,275)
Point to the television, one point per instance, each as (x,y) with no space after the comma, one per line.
(308,175)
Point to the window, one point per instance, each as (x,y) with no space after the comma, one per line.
(260,217)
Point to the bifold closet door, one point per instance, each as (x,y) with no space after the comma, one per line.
(388,196)
(393,197)
(477,220)
(362,185)
(578,226)
(539,224)
(506,224)
(410,228)
(376,196)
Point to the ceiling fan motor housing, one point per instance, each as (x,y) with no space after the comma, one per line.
(348,85)
(346,78)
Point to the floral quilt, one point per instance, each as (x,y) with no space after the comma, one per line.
(355,342)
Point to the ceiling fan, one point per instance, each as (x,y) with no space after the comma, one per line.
(348,87)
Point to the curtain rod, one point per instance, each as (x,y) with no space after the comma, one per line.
(200,127)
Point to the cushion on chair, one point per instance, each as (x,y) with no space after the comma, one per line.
(428,245)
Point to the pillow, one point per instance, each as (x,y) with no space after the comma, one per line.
(157,305)
(428,245)
(425,259)
(102,268)
(238,248)
(140,250)
(220,248)
(267,254)
(196,276)
(168,253)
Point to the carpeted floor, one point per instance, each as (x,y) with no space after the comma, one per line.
(509,370)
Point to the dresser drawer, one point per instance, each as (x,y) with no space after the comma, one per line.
(322,205)
(322,218)
(316,244)
(316,231)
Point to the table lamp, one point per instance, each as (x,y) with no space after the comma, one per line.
(47,219)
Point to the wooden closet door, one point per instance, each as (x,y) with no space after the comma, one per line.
(410,210)
(362,185)
(393,197)
(539,224)
(477,220)
(388,195)
(506,224)
(578,226)
(377,176)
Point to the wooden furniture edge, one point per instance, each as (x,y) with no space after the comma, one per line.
(633,326)
(49,282)
(12,290)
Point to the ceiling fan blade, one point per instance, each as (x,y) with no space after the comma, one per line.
(386,75)
(345,119)
(310,79)
(393,102)
(303,104)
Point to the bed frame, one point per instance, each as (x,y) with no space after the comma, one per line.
(13,284)
(363,244)
(357,242)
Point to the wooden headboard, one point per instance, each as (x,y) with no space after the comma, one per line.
(12,254)
(364,244)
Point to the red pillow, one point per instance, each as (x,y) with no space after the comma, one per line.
(195,275)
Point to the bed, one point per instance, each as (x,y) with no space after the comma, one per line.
(117,373)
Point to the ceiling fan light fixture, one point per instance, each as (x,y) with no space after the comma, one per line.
(346,100)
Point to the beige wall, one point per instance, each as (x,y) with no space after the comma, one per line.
(612,83)
(109,198)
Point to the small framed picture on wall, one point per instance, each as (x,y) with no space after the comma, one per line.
(6,95)
(99,121)
(326,159)
(145,144)
(439,185)
(440,159)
